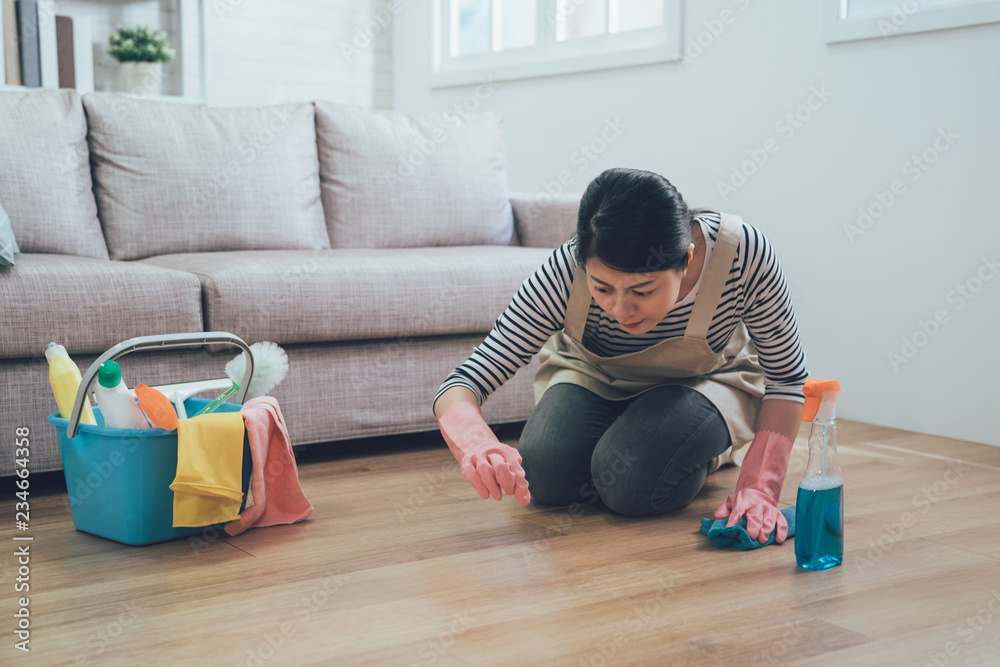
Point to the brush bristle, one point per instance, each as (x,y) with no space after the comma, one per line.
(270,365)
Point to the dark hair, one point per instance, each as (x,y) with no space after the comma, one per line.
(634,221)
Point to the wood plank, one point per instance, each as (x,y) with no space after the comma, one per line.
(403,564)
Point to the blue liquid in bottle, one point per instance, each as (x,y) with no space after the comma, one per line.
(819,523)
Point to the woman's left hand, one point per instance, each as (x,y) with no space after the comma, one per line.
(759,487)
(762,515)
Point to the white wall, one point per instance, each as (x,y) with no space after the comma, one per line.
(261,51)
(888,100)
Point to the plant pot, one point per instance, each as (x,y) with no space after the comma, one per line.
(142,78)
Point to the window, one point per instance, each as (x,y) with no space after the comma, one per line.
(512,39)
(847,20)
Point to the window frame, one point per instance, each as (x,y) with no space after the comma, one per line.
(548,57)
(837,29)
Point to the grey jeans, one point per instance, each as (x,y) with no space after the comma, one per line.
(646,455)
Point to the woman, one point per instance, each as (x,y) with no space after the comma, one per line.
(665,338)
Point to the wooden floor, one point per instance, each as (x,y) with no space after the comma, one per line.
(402,564)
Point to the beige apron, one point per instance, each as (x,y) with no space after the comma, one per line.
(732,380)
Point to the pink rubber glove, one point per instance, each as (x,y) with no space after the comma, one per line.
(490,466)
(759,487)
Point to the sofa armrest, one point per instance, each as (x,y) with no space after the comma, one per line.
(542,220)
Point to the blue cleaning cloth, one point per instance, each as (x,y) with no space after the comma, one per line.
(737,536)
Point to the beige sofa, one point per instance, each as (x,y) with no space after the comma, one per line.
(376,248)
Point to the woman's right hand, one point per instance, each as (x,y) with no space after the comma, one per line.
(490,466)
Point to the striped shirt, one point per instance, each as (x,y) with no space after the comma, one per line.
(755,293)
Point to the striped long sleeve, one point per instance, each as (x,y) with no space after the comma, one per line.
(755,293)
(536,311)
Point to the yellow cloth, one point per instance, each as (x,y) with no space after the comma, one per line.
(208,485)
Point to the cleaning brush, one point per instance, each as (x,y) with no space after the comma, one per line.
(270,365)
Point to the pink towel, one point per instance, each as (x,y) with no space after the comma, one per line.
(277,494)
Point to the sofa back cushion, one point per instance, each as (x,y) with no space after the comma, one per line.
(175,178)
(45,184)
(390,180)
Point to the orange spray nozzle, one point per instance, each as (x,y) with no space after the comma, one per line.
(814,389)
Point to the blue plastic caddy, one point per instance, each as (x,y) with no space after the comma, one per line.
(119,479)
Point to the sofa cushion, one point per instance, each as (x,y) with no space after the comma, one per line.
(339,391)
(182,178)
(332,295)
(543,220)
(89,305)
(394,181)
(45,183)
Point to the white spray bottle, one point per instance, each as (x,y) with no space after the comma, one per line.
(117,406)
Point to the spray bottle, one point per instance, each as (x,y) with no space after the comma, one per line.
(117,406)
(819,507)
(64,376)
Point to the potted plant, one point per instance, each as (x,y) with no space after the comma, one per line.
(141,52)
